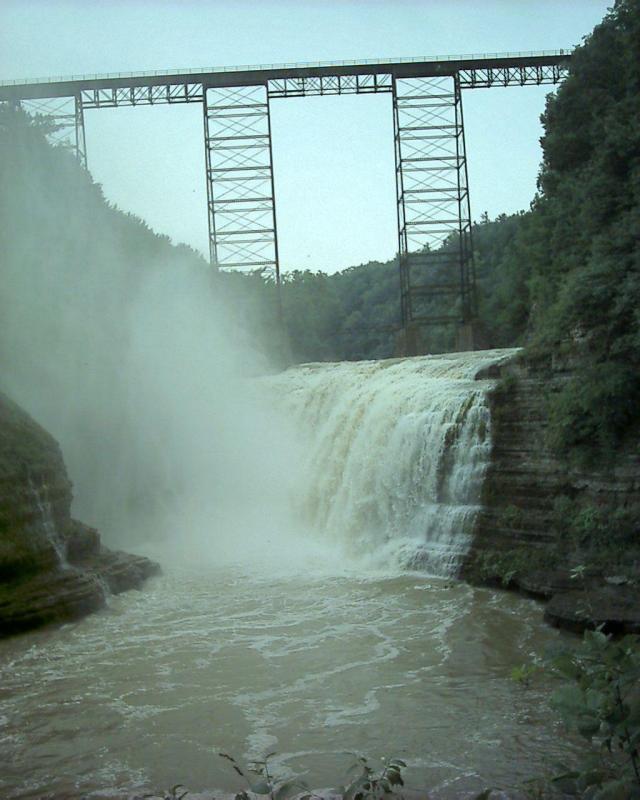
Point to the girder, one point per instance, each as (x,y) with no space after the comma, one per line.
(525,75)
(471,64)
(142,95)
(329,84)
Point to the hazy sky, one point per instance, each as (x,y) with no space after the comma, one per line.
(333,156)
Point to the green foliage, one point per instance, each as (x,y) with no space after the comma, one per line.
(369,784)
(267,784)
(601,534)
(364,783)
(590,416)
(601,701)
(174,793)
(588,289)
(523,674)
(502,566)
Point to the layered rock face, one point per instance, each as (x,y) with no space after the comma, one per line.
(52,568)
(521,537)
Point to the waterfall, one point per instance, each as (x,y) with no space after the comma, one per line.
(395,453)
(47,522)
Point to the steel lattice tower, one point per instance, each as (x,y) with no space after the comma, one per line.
(434,216)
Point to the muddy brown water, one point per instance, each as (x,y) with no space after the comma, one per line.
(313,666)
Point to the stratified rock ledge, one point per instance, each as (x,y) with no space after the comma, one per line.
(616,609)
(520,540)
(72,592)
(53,568)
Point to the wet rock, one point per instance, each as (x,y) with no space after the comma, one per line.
(122,571)
(82,542)
(545,583)
(52,568)
(614,607)
(55,596)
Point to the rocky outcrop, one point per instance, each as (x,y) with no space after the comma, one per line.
(52,568)
(525,536)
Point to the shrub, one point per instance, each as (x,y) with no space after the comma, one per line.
(601,701)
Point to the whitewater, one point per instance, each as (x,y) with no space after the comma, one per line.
(395,452)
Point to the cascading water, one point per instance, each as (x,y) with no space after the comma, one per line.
(395,453)
(47,521)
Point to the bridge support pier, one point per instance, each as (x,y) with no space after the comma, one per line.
(434,219)
(81,139)
(239,175)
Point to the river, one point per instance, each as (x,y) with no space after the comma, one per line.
(349,635)
(143,695)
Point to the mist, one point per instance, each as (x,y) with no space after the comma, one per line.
(121,346)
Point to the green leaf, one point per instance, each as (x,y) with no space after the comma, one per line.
(588,726)
(567,782)
(569,698)
(592,777)
(394,776)
(566,666)
(573,775)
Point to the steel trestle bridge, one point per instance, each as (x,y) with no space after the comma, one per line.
(435,255)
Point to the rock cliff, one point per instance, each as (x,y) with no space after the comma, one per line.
(565,533)
(52,567)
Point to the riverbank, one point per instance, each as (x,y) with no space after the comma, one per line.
(52,568)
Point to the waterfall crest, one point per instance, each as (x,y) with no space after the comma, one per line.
(395,453)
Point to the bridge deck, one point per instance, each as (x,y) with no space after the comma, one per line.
(69,86)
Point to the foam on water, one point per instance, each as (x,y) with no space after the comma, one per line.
(142,696)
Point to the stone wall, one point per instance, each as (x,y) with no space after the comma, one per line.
(52,568)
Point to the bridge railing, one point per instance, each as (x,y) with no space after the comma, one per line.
(289,65)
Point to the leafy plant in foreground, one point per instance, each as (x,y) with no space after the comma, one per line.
(365,783)
(268,785)
(368,785)
(602,703)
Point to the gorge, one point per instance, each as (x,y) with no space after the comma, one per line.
(336,620)
(335,538)
(343,632)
